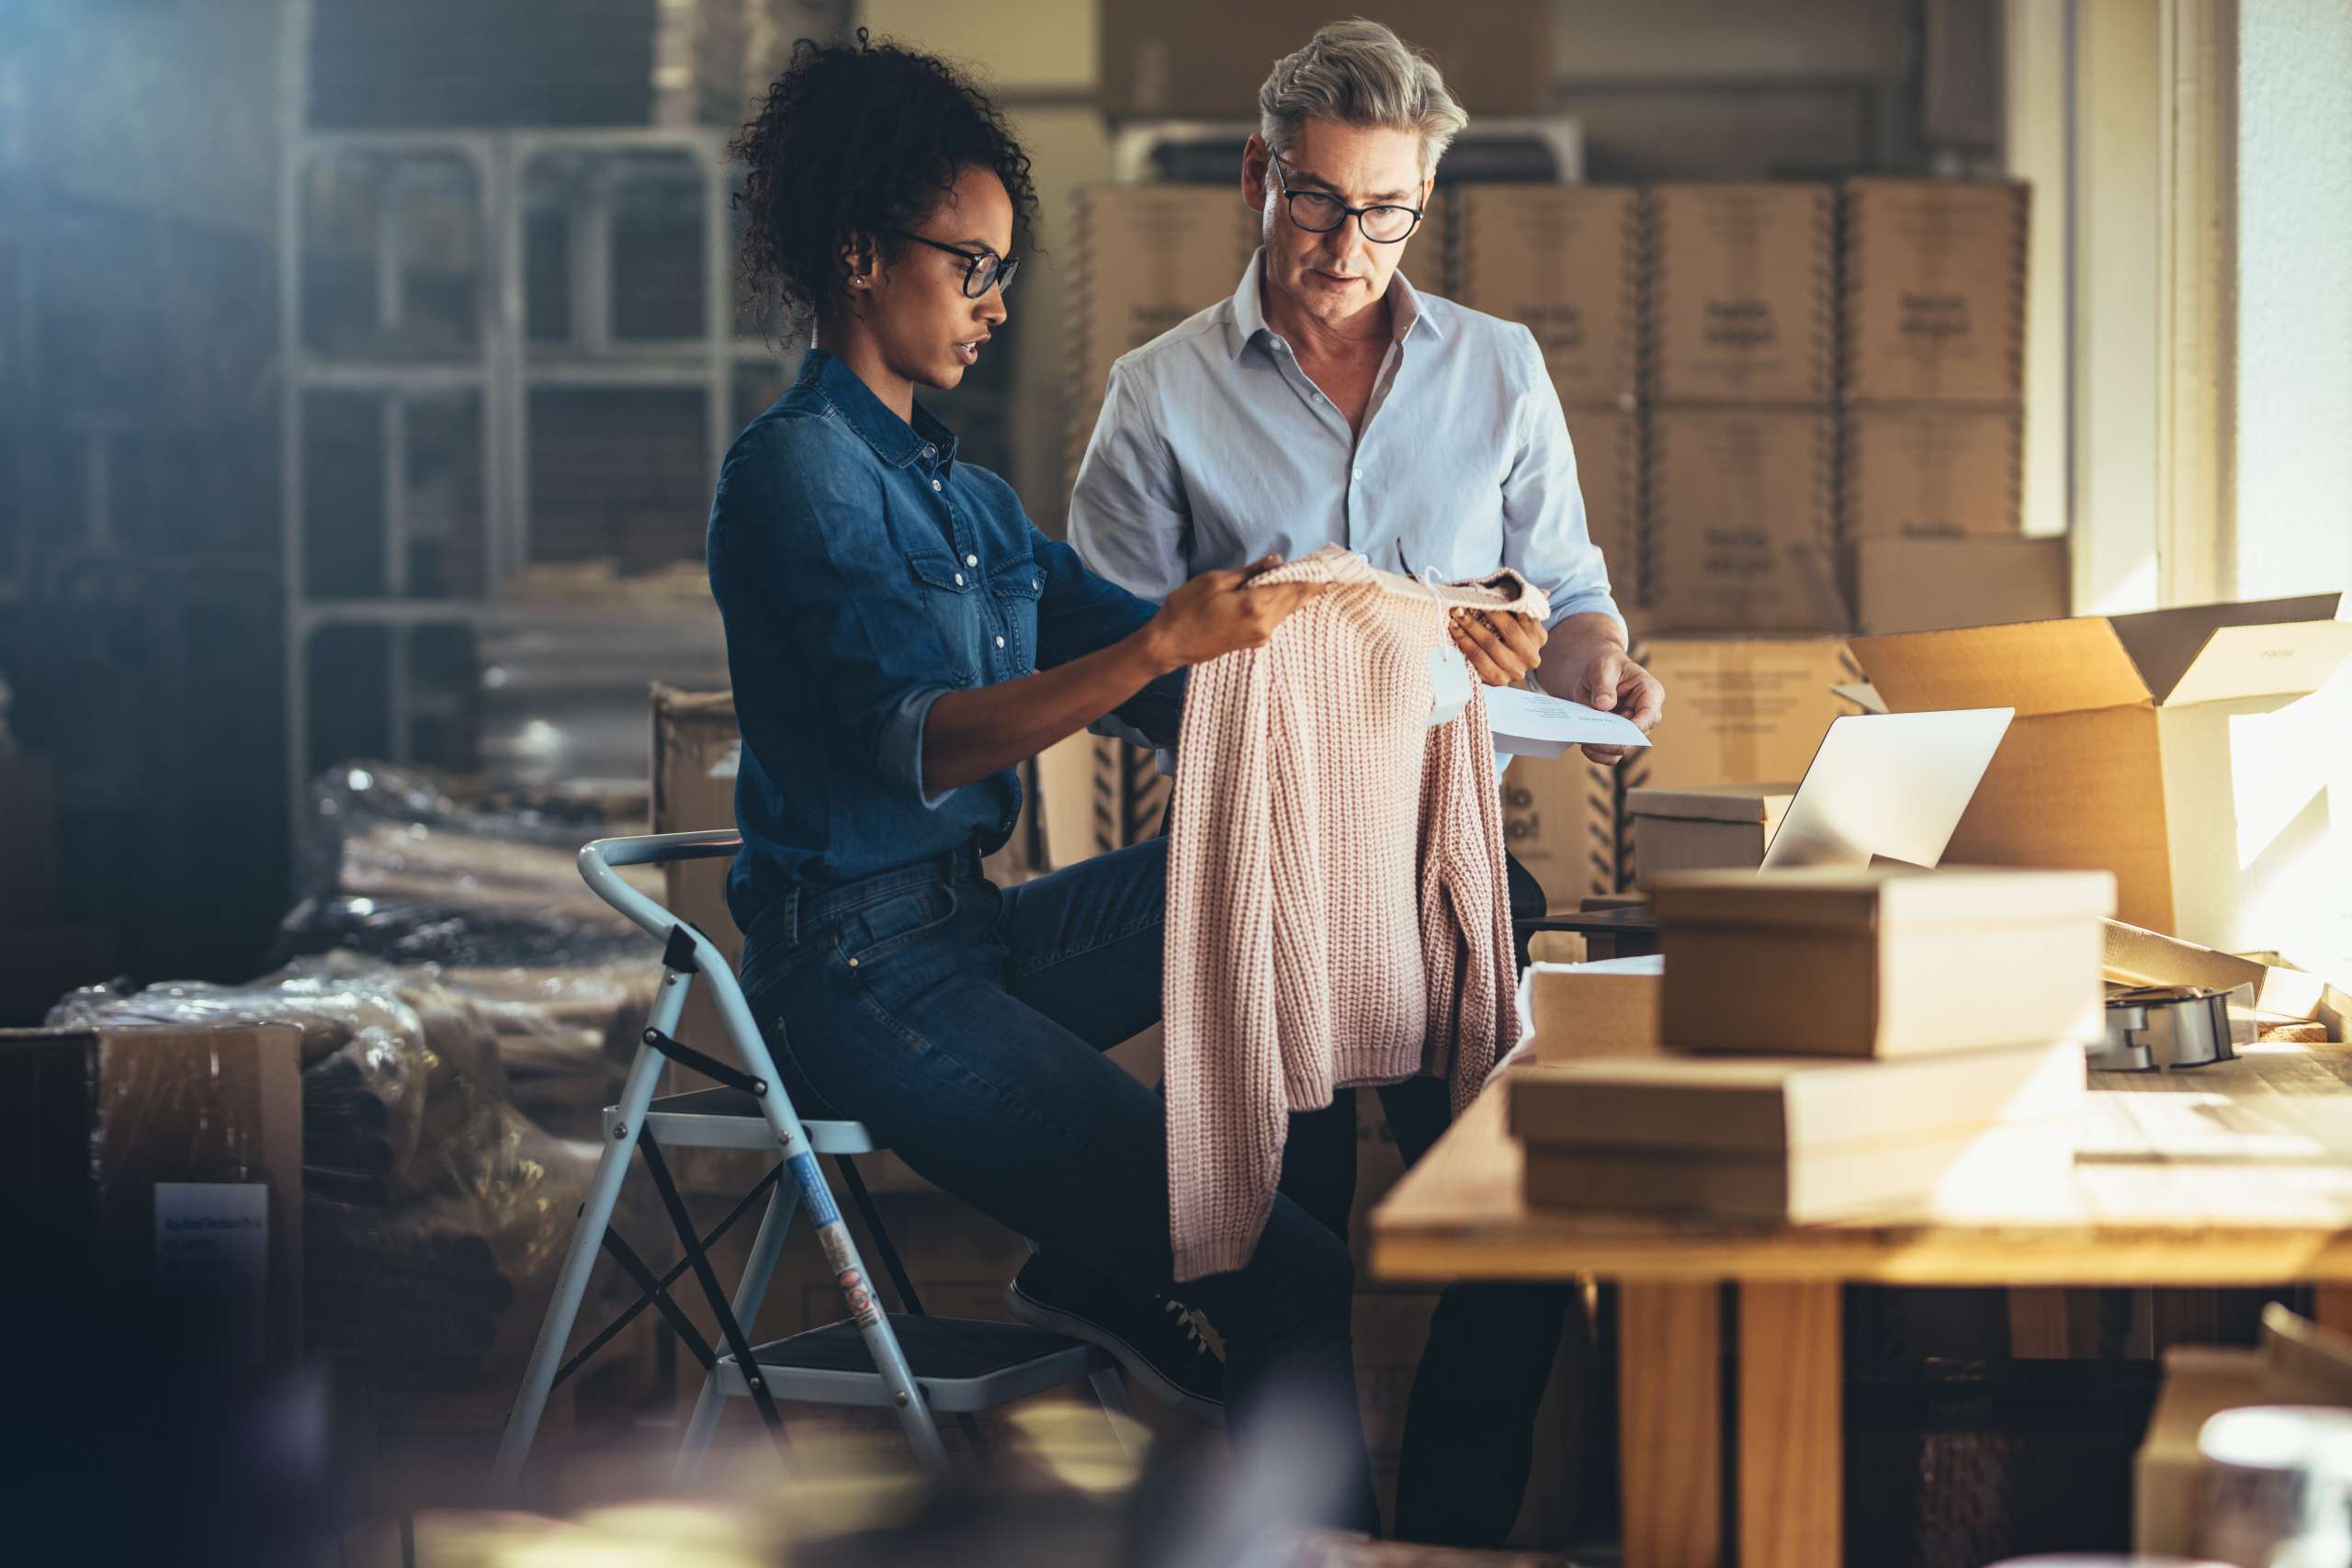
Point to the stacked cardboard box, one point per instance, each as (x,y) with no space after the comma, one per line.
(1143,258)
(1831,1048)
(1742,450)
(1932,385)
(1568,263)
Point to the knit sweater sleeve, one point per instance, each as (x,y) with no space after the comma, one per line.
(1466,907)
(1225,1107)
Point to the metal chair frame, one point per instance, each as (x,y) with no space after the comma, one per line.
(750,1111)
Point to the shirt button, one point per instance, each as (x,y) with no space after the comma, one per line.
(1032,582)
(934,484)
(971,560)
(1358,475)
(959,579)
(999,642)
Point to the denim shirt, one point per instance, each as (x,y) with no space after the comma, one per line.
(863,574)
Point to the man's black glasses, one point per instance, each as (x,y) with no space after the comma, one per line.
(983,270)
(1318,212)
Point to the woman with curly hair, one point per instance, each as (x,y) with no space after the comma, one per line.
(900,636)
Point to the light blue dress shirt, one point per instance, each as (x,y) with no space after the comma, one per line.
(1215,448)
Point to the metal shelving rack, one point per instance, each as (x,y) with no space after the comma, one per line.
(502,369)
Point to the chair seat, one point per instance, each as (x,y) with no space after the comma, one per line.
(721,1118)
(962,1364)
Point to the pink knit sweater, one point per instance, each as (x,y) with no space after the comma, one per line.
(1337,909)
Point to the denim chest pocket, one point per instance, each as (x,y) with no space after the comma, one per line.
(951,604)
(1015,588)
(873,932)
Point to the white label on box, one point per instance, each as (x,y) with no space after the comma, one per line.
(1534,725)
(212,1250)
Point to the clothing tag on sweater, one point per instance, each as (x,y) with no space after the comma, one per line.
(1449,685)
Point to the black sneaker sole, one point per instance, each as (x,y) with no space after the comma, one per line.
(1036,1315)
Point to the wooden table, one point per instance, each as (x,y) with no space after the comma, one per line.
(2239,1174)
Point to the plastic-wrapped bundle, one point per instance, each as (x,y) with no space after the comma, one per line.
(564,1036)
(436,1213)
(394,867)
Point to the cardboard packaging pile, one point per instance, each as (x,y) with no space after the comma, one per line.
(1828,1046)
(1932,385)
(1741,308)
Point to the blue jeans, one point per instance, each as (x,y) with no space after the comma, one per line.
(966,1024)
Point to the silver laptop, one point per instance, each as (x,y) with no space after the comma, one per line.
(1887,787)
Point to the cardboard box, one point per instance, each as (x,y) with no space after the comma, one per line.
(2003,1169)
(28,840)
(1566,261)
(2199,1382)
(1743,520)
(1207,61)
(1560,818)
(1934,290)
(1743,297)
(1131,794)
(2169,748)
(1920,585)
(1065,805)
(1144,258)
(1607,1008)
(2298,1362)
(1832,962)
(1610,475)
(1723,829)
(1780,1106)
(164,1160)
(1933,471)
(697,751)
(1738,709)
(1797,1141)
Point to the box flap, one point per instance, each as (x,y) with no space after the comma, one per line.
(1862,694)
(1733,803)
(2035,667)
(2261,661)
(2166,643)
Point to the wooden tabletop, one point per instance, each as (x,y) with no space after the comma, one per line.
(2236,1174)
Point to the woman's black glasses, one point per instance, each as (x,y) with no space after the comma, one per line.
(983,270)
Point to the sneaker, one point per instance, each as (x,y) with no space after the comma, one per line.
(1157,1340)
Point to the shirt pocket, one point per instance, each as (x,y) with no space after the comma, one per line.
(951,604)
(1015,588)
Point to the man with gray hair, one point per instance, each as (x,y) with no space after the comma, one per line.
(1328,401)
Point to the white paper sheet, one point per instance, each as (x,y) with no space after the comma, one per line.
(1531,724)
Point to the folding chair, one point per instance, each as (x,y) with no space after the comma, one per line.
(906,1360)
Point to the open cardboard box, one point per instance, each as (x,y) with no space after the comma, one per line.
(2170,748)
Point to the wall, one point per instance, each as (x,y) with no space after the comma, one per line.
(2294,305)
(168,108)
